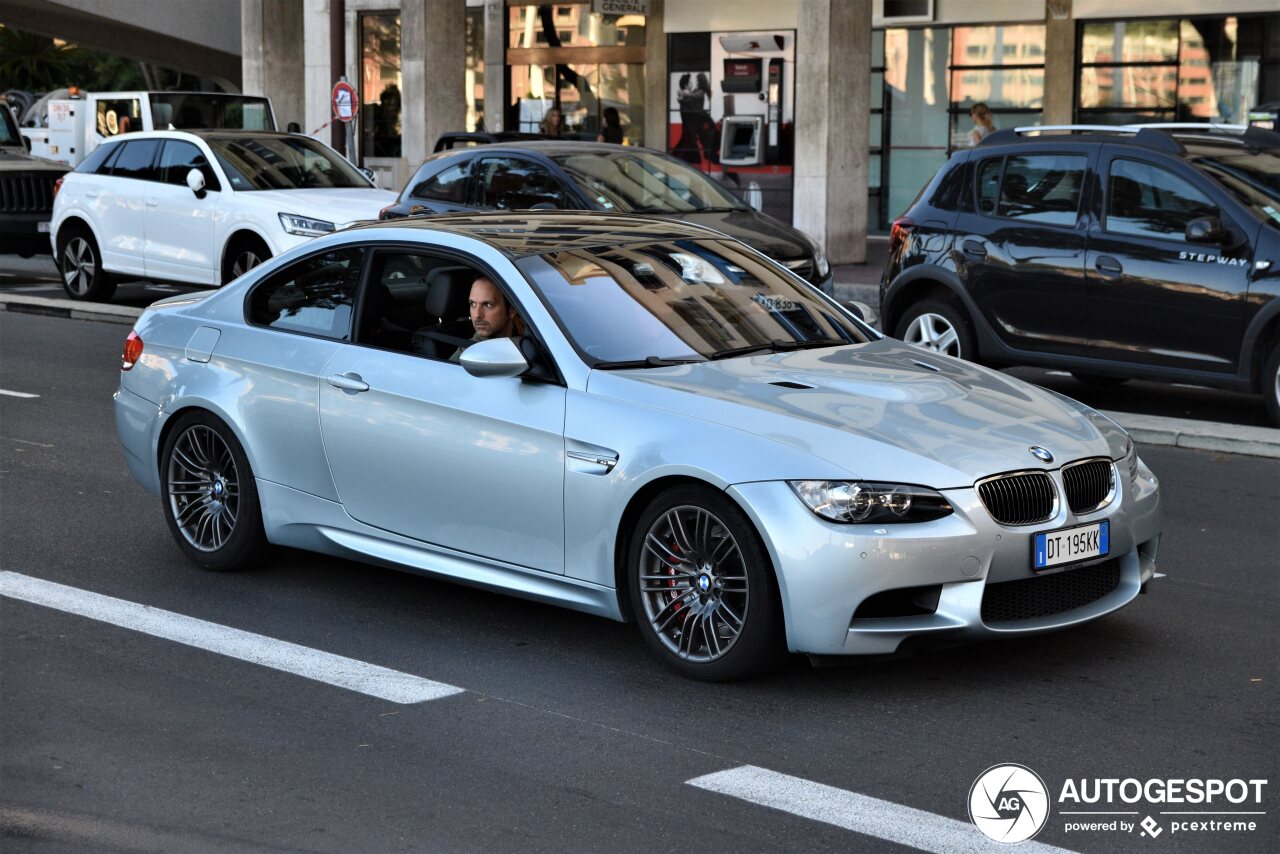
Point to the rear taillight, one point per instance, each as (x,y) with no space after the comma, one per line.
(57,185)
(132,351)
(899,233)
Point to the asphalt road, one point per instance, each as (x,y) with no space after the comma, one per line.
(567,735)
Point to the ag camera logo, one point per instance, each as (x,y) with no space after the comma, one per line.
(1009,803)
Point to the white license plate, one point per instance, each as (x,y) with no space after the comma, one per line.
(42,227)
(1069,545)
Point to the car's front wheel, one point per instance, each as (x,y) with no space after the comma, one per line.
(210,499)
(80,263)
(702,587)
(1271,385)
(939,325)
(243,255)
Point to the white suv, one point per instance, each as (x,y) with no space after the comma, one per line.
(199,207)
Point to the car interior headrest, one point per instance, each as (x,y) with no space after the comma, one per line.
(448,289)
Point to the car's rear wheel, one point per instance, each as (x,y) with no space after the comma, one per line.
(940,325)
(1099,380)
(702,587)
(1271,385)
(210,499)
(80,263)
(243,255)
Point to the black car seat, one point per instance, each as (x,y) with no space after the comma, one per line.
(449,289)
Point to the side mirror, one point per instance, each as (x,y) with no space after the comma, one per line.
(862,311)
(496,357)
(195,181)
(1206,229)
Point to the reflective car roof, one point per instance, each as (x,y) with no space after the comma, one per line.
(535,233)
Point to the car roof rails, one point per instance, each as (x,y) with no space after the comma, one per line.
(453,139)
(1147,137)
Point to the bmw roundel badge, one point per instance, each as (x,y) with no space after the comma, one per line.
(1041,454)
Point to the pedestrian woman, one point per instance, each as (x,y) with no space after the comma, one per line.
(551,123)
(612,130)
(983,123)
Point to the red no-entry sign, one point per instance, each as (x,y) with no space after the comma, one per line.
(344,101)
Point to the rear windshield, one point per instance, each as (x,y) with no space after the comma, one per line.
(1253,177)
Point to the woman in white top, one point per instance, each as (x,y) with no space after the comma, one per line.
(983,123)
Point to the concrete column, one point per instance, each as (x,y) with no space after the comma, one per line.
(317,82)
(833,108)
(272,61)
(433,62)
(655,78)
(496,97)
(1059,63)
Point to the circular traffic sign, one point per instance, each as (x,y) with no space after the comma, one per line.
(344,102)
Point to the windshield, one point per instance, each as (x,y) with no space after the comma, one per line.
(210,110)
(683,300)
(643,182)
(1253,177)
(282,163)
(8,127)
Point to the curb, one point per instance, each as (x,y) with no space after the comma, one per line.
(102,312)
(1145,429)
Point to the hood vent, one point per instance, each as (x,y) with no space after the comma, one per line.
(926,365)
(789,384)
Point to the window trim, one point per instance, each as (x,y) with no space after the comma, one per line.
(247,302)
(1082,206)
(1227,225)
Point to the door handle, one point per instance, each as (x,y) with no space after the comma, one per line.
(153,203)
(350,381)
(974,249)
(92,194)
(1108,265)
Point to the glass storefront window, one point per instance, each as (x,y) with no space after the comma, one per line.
(380,99)
(1129,41)
(916,110)
(475,68)
(1000,66)
(571,25)
(582,93)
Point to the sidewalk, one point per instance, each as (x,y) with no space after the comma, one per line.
(1145,429)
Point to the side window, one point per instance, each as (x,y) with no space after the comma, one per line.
(989,185)
(178,158)
(1042,188)
(117,116)
(1151,202)
(447,185)
(136,160)
(313,296)
(512,184)
(99,161)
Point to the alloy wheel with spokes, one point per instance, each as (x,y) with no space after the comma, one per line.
(204,488)
(81,266)
(933,332)
(210,498)
(243,254)
(939,325)
(244,261)
(702,586)
(694,584)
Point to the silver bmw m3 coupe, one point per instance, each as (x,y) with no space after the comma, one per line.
(635,418)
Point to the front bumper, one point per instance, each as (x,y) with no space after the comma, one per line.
(941,572)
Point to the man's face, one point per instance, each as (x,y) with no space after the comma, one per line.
(489,312)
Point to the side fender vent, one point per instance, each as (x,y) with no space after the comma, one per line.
(789,384)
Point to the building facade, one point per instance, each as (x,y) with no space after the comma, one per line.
(769,97)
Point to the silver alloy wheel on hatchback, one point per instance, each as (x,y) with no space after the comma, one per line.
(934,332)
(78,266)
(204,488)
(245,260)
(693,582)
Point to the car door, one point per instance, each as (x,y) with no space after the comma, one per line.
(122,211)
(419,447)
(1162,301)
(505,182)
(1021,250)
(180,241)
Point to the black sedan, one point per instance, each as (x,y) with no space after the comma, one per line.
(568,175)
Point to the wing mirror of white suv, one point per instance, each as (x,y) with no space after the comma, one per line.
(195,180)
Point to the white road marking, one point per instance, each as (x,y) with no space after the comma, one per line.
(301,661)
(1057,374)
(1160,575)
(859,813)
(16,393)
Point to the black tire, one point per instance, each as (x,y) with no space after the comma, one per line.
(80,263)
(928,322)
(1271,385)
(242,255)
(727,591)
(1099,380)
(209,495)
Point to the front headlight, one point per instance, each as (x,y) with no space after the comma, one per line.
(305,225)
(1131,458)
(863,502)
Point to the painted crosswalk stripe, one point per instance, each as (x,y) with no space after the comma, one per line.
(860,813)
(6,391)
(301,661)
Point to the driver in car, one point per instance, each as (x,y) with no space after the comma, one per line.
(491,315)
